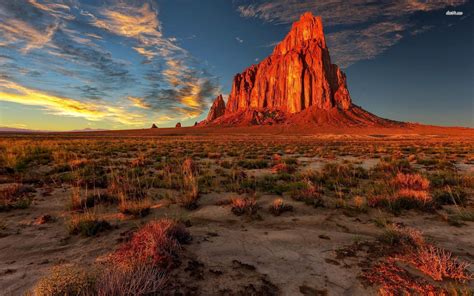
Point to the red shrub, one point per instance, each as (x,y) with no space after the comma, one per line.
(438,264)
(156,243)
(411,181)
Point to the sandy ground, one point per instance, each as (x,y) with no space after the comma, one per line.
(292,254)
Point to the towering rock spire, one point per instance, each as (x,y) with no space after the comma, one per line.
(297,75)
(297,83)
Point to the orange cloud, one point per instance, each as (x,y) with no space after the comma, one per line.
(15,93)
(139,103)
(14,31)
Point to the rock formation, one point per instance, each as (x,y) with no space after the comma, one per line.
(154,126)
(297,82)
(178,124)
(217,109)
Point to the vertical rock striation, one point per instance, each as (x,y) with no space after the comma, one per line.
(296,76)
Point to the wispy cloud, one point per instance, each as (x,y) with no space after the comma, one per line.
(78,48)
(139,102)
(23,36)
(376,25)
(58,105)
(187,89)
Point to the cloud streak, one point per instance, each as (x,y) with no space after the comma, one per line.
(375,25)
(58,105)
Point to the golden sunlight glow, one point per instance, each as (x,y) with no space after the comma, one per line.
(15,93)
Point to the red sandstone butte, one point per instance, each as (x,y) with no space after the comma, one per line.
(297,83)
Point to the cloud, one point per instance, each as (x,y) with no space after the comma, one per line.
(58,105)
(81,50)
(178,84)
(355,24)
(138,102)
(350,46)
(239,40)
(20,34)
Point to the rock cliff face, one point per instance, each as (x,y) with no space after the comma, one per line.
(297,83)
(217,109)
(297,75)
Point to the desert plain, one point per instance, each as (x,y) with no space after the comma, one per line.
(238,211)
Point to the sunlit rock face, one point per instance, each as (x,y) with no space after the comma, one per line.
(217,109)
(296,76)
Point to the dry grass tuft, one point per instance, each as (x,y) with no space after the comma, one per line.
(15,196)
(278,207)
(139,280)
(136,208)
(241,206)
(67,280)
(87,224)
(190,190)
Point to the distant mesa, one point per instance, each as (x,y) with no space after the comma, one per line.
(154,126)
(296,84)
(178,124)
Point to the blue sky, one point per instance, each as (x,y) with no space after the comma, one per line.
(69,64)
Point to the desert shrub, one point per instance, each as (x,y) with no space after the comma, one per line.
(310,195)
(15,196)
(190,189)
(404,192)
(411,248)
(441,179)
(336,177)
(283,168)
(156,243)
(450,195)
(87,224)
(278,207)
(391,167)
(91,175)
(241,206)
(32,156)
(136,208)
(414,182)
(67,280)
(140,280)
(80,201)
(439,264)
(395,235)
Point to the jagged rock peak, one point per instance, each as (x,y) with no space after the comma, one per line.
(308,27)
(217,109)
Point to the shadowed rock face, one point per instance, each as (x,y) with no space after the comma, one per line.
(217,109)
(296,76)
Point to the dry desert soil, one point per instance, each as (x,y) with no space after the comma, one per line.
(270,211)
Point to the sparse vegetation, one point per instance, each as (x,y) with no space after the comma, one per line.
(241,206)
(356,188)
(87,224)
